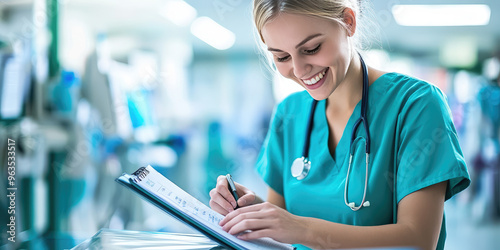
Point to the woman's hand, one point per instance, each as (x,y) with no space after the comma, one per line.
(265,220)
(223,202)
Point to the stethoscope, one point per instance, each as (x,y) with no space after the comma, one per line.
(301,166)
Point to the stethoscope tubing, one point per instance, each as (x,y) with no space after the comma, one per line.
(363,119)
(364,103)
(305,152)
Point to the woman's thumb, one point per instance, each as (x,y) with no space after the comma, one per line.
(246,199)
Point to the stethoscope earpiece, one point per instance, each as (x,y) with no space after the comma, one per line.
(352,205)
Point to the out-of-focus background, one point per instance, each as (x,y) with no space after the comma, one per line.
(90,89)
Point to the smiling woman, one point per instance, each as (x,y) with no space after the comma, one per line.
(316,44)
(328,47)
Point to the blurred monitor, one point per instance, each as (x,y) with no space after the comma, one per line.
(14,85)
(105,97)
(119,92)
(133,101)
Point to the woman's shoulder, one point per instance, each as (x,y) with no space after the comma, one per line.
(410,89)
(404,82)
(411,95)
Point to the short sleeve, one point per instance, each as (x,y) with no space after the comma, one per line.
(428,151)
(270,161)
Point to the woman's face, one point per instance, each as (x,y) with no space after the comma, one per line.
(311,51)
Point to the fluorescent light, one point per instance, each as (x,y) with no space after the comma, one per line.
(212,33)
(179,12)
(442,15)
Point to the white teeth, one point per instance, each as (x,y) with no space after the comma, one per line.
(315,79)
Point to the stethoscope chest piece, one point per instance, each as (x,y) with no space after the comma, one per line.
(300,168)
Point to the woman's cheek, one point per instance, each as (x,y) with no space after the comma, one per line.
(284,70)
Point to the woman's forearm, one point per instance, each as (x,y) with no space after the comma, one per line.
(420,215)
(321,234)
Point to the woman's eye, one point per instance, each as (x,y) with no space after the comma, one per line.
(312,51)
(282,59)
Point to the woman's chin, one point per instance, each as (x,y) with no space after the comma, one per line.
(317,95)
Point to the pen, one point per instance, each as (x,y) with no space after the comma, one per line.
(232,188)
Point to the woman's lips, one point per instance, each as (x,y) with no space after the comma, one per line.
(318,83)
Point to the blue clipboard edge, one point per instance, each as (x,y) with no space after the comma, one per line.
(125,181)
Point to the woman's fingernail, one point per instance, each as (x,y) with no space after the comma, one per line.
(233,204)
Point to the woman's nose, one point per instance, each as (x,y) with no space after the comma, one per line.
(301,68)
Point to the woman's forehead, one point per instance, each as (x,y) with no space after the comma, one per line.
(293,28)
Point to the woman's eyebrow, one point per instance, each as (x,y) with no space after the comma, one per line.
(298,45)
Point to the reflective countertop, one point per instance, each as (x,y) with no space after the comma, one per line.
(123,239)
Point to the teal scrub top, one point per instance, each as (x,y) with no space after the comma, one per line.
(411,132)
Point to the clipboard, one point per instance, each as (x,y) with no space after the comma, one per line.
(164,194)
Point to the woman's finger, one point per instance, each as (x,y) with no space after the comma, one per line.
(243,216)
(217,198)
(218,208)
(239,211)
(246,199)
(250,224)
(223,189)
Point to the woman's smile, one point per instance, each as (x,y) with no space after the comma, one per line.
(316,81)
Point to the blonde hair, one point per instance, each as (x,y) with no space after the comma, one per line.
(265,10)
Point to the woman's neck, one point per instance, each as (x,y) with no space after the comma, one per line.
(349,92)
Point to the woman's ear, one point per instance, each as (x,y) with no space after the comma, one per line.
(350,21)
